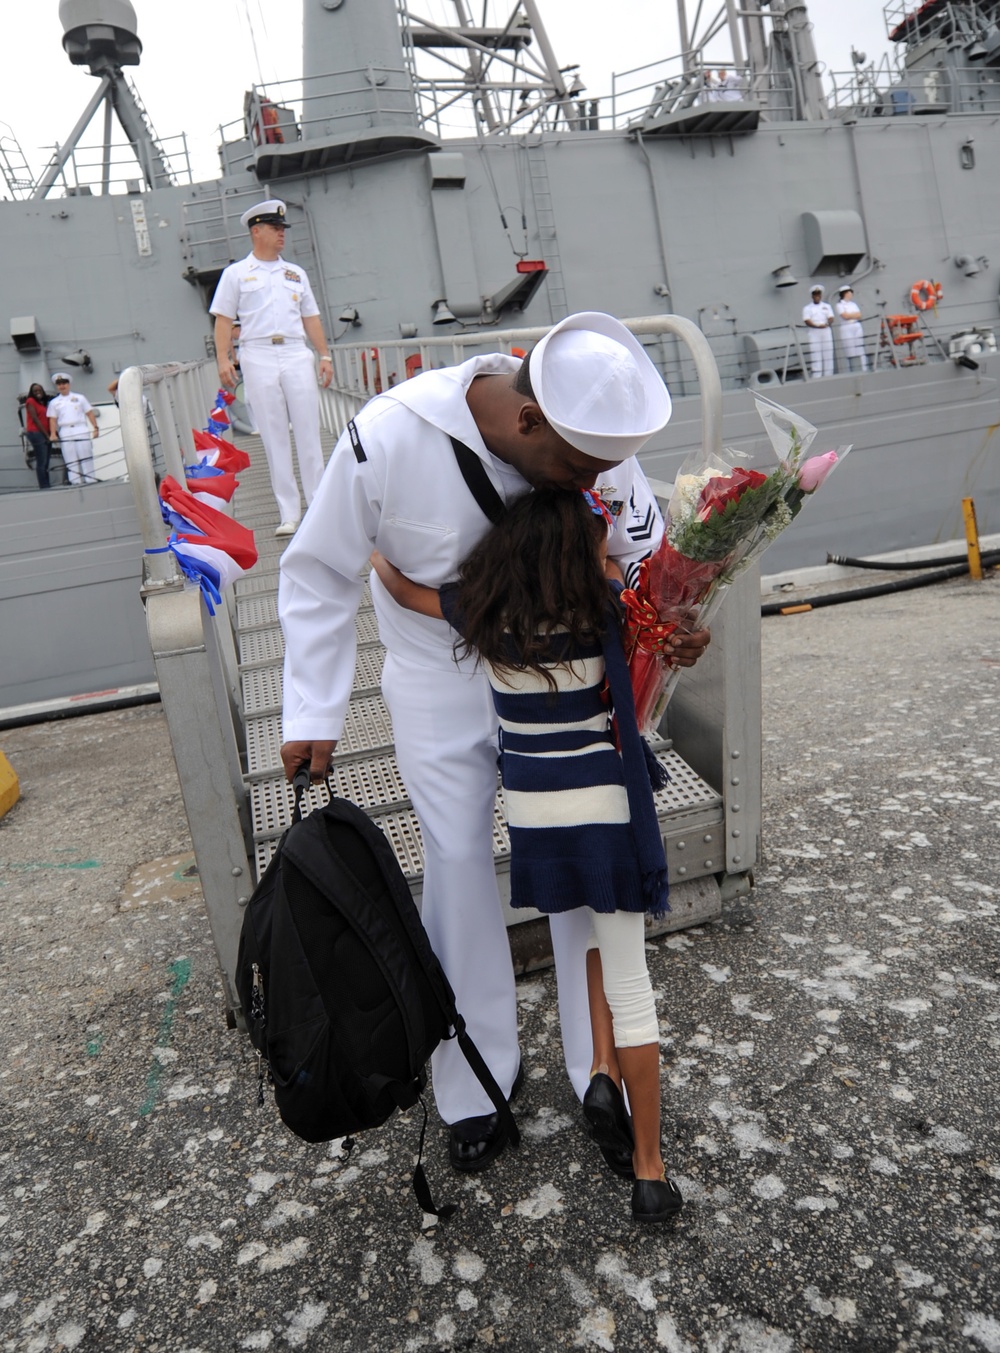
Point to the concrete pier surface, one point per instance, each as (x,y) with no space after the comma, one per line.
(829,1078)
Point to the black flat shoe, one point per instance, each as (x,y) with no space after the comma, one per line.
(655,1200)
(475,1143)
(609,1124)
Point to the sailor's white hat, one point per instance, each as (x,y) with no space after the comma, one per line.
(271,212)
(813,290)
(846,287)
(597,387)
(60,376)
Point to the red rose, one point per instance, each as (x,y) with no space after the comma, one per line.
(725,489)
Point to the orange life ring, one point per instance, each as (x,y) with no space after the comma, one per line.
(925,295)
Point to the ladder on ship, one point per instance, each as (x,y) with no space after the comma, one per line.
(220,683)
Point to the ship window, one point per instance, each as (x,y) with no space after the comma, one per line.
(967,155)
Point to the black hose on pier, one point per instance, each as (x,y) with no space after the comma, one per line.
(859,594)
(987,556)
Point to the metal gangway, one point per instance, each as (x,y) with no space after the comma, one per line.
(220,676)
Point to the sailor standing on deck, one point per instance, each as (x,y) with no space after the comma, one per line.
(571,415)
(69,414)
(852,335)
(818,318)
(274,303)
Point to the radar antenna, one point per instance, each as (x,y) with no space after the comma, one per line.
(103,35)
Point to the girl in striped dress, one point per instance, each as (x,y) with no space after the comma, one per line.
(534,604)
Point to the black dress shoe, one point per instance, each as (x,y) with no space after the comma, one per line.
(474,1143)
(609,1124)
(655,1200)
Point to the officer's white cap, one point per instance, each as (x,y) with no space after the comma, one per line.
(60,376)
(816,288)
(596,386)
(846,287)
(271,212)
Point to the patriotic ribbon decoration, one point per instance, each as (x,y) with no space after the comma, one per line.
(643,628)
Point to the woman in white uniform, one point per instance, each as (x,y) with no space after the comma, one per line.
(852,335)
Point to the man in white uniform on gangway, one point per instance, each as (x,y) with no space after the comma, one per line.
(572,416)
(273,303)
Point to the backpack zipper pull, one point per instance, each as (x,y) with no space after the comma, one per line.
(257,1009)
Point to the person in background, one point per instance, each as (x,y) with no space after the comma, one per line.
(852,335)
(69,414)
(273,305)
(578,799)
(36,429)
(817,316)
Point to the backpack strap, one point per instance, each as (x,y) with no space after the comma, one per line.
(485,1077)
(478,481)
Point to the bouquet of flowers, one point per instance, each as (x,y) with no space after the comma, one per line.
(722,516)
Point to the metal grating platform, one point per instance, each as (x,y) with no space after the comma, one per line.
(364,769)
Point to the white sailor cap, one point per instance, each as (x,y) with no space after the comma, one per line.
(58,376)
(271,212)
(816,288)
(846,287)
(597,387)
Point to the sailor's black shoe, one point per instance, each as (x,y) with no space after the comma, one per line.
(475,1143)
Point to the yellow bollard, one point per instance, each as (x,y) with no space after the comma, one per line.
(10,790)
(972,538)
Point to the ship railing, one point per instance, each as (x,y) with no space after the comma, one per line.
(194,652)
(680,83)
(115,168)
(361,370)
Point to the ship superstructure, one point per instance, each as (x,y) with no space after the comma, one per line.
(451,177)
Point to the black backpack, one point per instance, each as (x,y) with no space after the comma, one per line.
(344,998)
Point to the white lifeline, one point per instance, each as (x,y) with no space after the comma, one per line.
(407,498)
(269,300)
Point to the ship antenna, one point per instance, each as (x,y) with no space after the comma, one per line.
(103,35)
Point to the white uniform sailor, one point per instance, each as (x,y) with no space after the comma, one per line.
(69,415)
(818,318)
(394,483)
(852,334)
(273,303)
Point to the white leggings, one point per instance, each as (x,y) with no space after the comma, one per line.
(621,938)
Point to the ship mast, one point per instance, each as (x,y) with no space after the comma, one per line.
(507,69)
(103,35)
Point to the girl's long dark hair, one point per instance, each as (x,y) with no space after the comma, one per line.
(538,569)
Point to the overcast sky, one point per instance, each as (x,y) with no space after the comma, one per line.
(200,55)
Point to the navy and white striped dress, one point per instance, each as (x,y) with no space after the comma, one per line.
(571,839)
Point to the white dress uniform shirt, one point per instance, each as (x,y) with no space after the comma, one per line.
(268,299)
(404,494)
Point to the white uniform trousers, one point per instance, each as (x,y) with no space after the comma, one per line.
(852,342)
(446,748)
(821,352)
(280,383)
(78,457)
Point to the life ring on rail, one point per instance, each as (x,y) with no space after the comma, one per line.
(925,295)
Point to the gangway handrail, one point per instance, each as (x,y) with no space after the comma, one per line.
(355,379)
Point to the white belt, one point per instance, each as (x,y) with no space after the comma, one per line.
(278,340)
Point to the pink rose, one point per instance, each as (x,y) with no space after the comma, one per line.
(815,470)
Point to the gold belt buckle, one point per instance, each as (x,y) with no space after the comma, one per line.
(277,338)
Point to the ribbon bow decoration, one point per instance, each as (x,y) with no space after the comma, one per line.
(644,629)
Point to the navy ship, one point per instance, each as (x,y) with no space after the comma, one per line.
(719,187)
